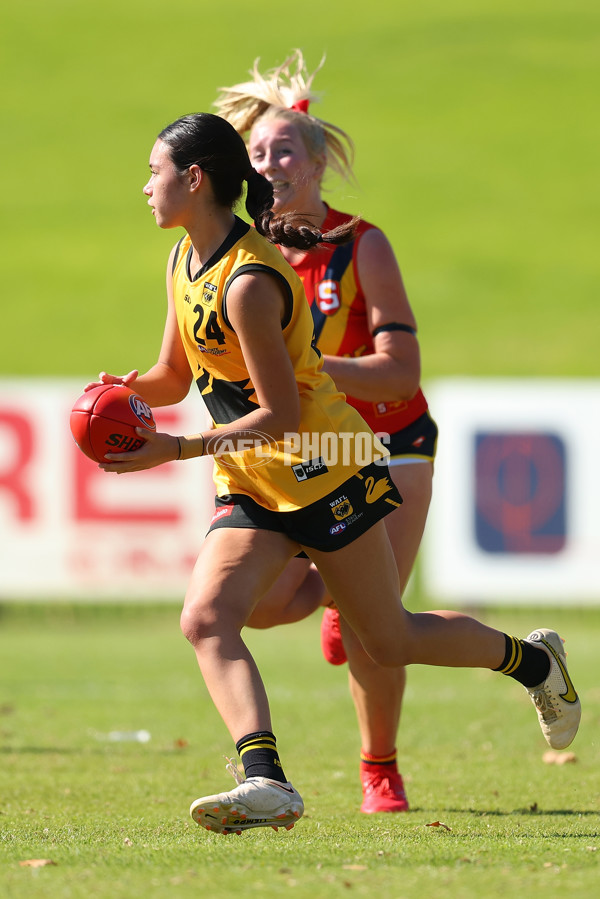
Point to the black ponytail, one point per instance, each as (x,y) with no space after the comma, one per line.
(289,229)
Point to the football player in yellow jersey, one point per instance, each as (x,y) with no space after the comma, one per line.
(198,166)
(353,291)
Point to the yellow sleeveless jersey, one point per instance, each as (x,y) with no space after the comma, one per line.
(334,441)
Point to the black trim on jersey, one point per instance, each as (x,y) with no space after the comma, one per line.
(339,262)
(176,255)
(237,232)
(394,326)
(226,401)
(260,267)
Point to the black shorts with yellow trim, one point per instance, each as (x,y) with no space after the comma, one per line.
(418,439)
(327,524)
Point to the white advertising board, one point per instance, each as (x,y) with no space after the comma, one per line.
(515,515)
(69,530)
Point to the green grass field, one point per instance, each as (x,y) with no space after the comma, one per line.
(476,133)
(113,816)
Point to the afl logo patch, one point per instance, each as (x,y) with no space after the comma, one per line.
(337,528)
(142,411)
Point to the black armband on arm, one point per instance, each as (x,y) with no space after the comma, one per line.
(394,326)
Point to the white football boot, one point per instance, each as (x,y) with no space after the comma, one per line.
(256,802)
(555,699)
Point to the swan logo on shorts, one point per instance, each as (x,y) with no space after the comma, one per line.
(376,489)
(341,508)
(337,528)
(142,411)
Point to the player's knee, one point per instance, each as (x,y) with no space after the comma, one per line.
(389,650)
(196,622)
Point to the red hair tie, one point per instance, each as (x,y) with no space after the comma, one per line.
(300,106)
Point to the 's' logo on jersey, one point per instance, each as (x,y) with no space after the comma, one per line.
(328,296)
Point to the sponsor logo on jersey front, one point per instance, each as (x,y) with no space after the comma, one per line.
(212,351)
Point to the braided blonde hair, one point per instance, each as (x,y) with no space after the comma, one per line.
(285,92)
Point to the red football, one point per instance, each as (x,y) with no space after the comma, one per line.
(104,420)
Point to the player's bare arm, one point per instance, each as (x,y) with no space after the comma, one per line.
(393,371)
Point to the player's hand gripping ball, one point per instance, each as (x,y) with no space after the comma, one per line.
(104,420)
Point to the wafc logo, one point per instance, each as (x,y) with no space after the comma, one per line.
(142,411)
(342,508)
(209,292)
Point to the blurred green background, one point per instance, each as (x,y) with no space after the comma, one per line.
(476,130)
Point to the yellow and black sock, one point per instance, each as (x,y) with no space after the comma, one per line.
(259,756)
(388,761)
(526,663)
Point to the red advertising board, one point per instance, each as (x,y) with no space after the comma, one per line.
(70,530)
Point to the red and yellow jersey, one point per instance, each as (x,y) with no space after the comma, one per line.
(339,312)
(279,475)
